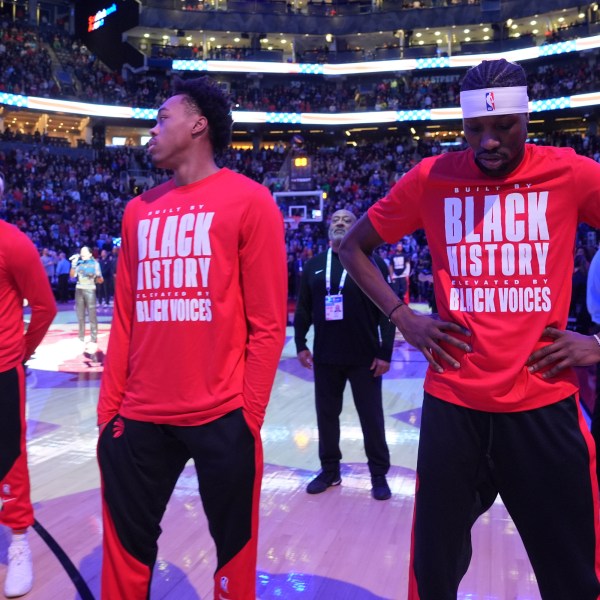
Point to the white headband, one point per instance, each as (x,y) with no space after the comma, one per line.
(488,102)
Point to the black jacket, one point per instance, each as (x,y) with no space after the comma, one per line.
(363,334)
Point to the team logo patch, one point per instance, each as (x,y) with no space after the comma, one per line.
(118,427)
(490,102)
(224,584)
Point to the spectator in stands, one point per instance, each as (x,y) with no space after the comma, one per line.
(104,290)
(400,270)
(63,268)
(48,262)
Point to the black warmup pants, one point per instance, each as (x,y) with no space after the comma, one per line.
(542,464)
(140,464)
(330,381)
(15,496)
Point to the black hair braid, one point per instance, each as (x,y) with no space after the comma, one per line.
(494,73)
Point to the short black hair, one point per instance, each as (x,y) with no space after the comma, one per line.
(205,95)
(494,73)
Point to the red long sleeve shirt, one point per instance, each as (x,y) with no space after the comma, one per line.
(200,303)
(22,277)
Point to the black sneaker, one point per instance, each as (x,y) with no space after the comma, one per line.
(381,489)
(322,481)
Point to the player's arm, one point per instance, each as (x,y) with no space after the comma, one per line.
(567,349)
(423,332)
(32,282)
(116,364)
(263,268)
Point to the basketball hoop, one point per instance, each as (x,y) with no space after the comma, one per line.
(295,221)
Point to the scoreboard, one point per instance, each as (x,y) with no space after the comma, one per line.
(301,172)
(100,24)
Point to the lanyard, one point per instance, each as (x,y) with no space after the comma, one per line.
(328,275)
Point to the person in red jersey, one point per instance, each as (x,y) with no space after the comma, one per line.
(22,280)
(500,411)
(198,329)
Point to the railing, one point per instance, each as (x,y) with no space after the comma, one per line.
(312,7)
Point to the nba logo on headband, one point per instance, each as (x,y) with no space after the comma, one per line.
(497,101)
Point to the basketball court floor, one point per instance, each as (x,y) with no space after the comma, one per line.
(340,545)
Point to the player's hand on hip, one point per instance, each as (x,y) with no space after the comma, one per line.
(567,349)
(429,335)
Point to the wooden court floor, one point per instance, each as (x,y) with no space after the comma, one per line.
(340,545)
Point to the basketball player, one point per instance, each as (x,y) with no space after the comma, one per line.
(500,411)
(198,329)
(22,278)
